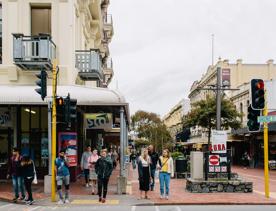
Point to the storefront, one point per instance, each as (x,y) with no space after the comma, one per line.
(24,123)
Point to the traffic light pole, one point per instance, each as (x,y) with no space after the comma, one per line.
(54,130)
(218,112)
(266,172)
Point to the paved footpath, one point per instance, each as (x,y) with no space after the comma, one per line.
(81,196)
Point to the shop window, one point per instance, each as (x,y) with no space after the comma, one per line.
(34,112)
(25,119)
(44,119)
(40,20)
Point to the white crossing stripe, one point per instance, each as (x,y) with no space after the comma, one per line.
(133,208)
(156,208)
(35,208)
(6,205)
(178,208)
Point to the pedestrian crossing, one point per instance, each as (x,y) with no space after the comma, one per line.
(91,202)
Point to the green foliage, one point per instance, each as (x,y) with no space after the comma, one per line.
(148,125)
(177,154)
(204,114)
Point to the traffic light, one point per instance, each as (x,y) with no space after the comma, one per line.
(252,119)
(70,110)
(257,94)
(42,83)
(59,101)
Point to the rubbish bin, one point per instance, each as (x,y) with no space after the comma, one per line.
(180,166)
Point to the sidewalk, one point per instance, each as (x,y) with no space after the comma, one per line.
(179,196)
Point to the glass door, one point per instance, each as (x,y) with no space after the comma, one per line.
(5,150)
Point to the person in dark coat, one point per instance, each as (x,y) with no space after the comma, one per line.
(28,172)
(103,168)
(154,158)
(14,171)
(144,162)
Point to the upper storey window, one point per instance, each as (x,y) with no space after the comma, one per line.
(40,20)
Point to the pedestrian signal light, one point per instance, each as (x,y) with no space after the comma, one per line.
(252,122)
(257,94)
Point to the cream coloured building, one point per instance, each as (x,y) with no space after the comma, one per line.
(77,34)
(173,119)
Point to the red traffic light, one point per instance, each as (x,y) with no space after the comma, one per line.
(260,85)
(257,94)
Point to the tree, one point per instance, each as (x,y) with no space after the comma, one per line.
(204,114)
(148,125)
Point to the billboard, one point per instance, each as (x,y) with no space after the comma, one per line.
(68,141)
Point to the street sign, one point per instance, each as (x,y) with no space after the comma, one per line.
(266,119)
(213,160)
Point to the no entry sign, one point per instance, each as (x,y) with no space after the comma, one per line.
(213,160)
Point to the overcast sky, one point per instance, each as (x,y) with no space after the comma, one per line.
(161,46)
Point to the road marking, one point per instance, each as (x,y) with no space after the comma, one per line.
(6,205)
(156,208)
(88,202)
(133,208)
(271,194)
(178,208)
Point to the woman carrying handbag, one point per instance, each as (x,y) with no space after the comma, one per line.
(166,171)
(29,175)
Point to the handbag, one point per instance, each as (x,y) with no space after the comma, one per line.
(35,177)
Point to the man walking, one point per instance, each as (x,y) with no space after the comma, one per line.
(62,176)
(85,165)
(154,158)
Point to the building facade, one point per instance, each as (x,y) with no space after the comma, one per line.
(173,119)
(76,34)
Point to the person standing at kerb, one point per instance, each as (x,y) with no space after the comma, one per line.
(85,164)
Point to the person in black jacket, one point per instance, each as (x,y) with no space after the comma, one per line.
(154,158)
(103,168)
(28,175)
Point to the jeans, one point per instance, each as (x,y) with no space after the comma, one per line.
(102,187)
(17,183)
(86,175)
(152,175)
(28,186)
(164,179)
(60,181)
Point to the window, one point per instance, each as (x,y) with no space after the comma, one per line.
(40,20)
(0,33)
(241,110)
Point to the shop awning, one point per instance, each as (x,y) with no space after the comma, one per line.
(26,95)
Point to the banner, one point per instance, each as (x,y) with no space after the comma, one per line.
(98,121)
(218,141)
(68,141)
(225,77)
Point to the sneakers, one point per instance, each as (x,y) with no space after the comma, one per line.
(67,201)
(87,185)
(167,197)
(161,196)
(30,202)
(22,198)
(60,202)
(15,199)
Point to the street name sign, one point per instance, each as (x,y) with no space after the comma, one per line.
(262,119)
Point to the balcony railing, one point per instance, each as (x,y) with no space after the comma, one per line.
(33,52)
(89,64)
(108,63)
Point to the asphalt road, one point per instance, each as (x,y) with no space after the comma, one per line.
(17,207)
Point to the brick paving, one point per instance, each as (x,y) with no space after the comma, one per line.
(178,194)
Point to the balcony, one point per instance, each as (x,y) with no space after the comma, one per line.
(108,26)
(108,70)
(89,64)
(33,52)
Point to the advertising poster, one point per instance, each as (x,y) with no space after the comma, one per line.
(218,141)
(68,141)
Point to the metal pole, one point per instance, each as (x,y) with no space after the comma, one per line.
(121,141)
(213,36)
(266,172)
(218,126)
(49,138)
(54,131)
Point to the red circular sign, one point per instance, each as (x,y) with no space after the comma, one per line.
(213,160)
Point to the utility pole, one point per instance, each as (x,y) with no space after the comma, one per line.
(54,130)
(218,96)
(266,170)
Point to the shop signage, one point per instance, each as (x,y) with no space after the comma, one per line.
(262,119)
(5,118)
(68,141)
(225,77)
(218,141)
(98,121)
(213,160)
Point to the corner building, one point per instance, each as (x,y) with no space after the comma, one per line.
(77,34)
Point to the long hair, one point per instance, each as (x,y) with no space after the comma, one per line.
(143,154)
(26,160)
(168,152)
